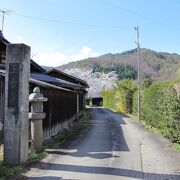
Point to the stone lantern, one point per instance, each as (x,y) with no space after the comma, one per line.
(36,117)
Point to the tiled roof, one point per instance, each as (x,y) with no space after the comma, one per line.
(3,39)
(36,66)
(1,34)
(52,80)
(45,78)
(69,76)
(2,66)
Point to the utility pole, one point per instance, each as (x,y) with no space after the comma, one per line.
(139,80)
(3,16)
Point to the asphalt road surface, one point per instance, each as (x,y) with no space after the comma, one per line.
(111,146)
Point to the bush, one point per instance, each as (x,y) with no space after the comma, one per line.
(135,104)
(121,98)
(161,109)
(110,99)
(125,89)
(160,106)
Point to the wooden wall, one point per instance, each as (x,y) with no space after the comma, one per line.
(2,53)
(2,91)
(60,109)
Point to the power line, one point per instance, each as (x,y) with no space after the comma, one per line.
(72,23)
(4,12)
(140,15)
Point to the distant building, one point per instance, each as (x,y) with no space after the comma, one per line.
(94,99)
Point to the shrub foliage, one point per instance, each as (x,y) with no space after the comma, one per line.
(160,105)
(121,98)
(161,109)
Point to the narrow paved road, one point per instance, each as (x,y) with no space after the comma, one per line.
(111,146)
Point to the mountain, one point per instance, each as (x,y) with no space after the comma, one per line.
(102,72)
(154,65)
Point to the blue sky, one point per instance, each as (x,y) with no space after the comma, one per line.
(60,31)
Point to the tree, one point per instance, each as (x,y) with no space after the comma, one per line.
(126,88)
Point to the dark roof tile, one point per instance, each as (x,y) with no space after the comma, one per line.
(53,80)
(2,66)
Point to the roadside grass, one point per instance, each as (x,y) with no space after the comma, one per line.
(67,133)
(176,146)
(8,171)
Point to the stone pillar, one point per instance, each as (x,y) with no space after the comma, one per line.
(16,103)
(36,116)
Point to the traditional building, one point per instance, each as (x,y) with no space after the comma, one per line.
(65,93)
(3,43)
(94,99)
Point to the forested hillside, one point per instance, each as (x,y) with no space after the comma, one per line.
(154,65)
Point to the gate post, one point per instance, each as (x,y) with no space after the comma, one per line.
(16,103)
(36,116)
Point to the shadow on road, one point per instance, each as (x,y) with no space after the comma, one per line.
(99,138)
(109,171)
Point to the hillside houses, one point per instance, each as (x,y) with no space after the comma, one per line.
(65,93)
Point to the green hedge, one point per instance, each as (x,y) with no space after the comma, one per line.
(121,98)
(160,109)
(135,104)
(109,99)
(160,106)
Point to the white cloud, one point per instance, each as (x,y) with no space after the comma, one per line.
(49,58)
(85,52)
(54,58)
